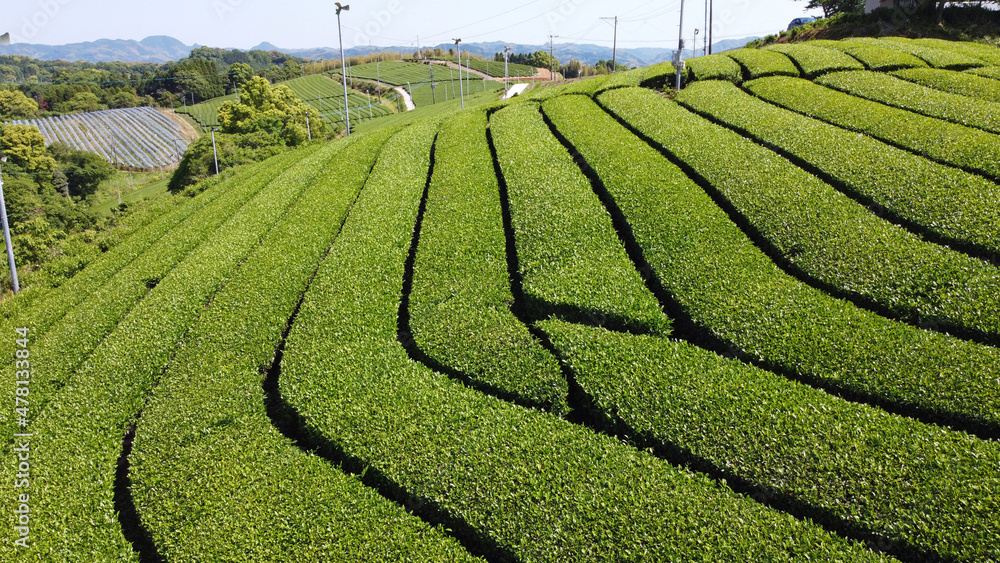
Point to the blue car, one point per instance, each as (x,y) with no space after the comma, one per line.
(800,21)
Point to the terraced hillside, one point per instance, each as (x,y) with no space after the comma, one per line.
(755,321)
(417,79)
(318,91)
(136,137)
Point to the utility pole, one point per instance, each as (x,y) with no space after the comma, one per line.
(343,65)
(6,237)
(433,87)
(694,43)
(711,24)
(552,57)
(460,91)
(680,47)
(704,36)
(614,48)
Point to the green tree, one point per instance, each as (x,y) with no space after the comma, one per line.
(832,7)
(276,110)
(240,74)
(84,101)
(24,145)
(233,150)
(15,105)
(121,99)
(573,69)
(83,170)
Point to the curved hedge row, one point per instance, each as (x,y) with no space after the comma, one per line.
(79,437)
(961,83)
(949,143)
(460,304)
(71,339)
(758,63)
(653,76)
(916,489)
(713,67)
(991,72)
(875,57)
(936,57)
(570,259)
(224,440)
(892,91)
(732,289)
(815,61)
(41,313)
(950,203)
(827,237)
(521,484)
(988,54)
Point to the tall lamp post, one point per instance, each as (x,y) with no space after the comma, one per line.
(215,153)
(461,92)
(680,48)
(343,66)
(506,74)
(6,236)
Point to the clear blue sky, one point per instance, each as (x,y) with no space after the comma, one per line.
(312,23)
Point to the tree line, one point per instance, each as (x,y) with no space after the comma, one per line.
(60,87)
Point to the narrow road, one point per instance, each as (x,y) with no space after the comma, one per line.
(406,98)
(543,74)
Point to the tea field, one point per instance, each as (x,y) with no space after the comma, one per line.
(754,320)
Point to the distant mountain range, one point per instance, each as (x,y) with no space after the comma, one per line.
(162,49)
(156,49)
(586,54)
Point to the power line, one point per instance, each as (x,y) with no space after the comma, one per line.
(543,14)
(450,31)
(658,12)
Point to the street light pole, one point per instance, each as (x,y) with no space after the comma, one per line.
(506,74)
(215,153)
(704,35)
(343,66)
(461,91)
(6,236)
(680,46)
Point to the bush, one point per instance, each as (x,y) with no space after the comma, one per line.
(198,163)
